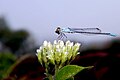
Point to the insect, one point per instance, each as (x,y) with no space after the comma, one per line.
(96,31)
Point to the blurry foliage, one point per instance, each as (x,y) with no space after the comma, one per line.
(3,24)
(13,43)
(14,40)
(6,60)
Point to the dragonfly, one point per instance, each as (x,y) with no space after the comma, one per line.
(90,31)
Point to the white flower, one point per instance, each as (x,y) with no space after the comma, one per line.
(58,52)
(55,42)
(61,43)
(67,43)
(38,50)
(49,45)
(45,43)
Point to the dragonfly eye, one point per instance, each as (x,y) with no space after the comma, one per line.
(57,30)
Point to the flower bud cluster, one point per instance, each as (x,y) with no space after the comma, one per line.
(58,52)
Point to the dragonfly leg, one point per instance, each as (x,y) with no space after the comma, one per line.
(64,35)
(60,36)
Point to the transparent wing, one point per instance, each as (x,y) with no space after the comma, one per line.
(94,30)
(90,31)
(95,33)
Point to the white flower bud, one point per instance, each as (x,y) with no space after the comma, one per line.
(38,50)
(49,46)
(71,44)
(45,43)
(55,42)
(61,43)
(58,52)
(67,43)
(78,44)
(78,53)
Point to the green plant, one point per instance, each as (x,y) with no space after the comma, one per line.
(59,55)
(6,60)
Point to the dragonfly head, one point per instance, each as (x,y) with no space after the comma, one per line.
(57,30)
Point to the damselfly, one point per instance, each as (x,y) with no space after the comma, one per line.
(61,31)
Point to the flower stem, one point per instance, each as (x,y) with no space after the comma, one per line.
(56,69)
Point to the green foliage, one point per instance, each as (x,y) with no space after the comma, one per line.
(3,23)
(69,71)
(6,60)
(11,39)
(16,39)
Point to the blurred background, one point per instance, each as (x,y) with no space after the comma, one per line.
(25,24)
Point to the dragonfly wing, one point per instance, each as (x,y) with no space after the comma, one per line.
(95,33)
(86,29)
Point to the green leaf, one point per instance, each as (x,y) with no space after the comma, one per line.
(71,78)
(69,71)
